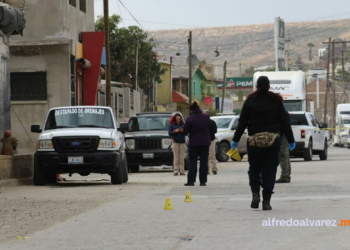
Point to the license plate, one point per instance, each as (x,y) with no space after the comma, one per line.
(148,156)
(75,160)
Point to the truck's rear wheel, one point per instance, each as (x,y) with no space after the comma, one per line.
(308,152)
(324,154)
(39,178)
(117,176)
(221,155)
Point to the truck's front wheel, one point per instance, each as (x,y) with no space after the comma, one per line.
(39,178)
(117,176)
(308,152)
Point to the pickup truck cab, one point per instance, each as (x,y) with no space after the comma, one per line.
(226,126)
(80,139)
(148,142)
(309,136)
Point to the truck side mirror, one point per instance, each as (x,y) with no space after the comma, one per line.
(123,127)
(35,129)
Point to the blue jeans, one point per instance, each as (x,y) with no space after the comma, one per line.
(263,163)
(193,153)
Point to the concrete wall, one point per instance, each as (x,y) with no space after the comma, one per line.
(16,167)
(55,60)
(48,19)
(4,89)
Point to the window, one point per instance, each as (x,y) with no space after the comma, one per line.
(222,122)
(28,86)
(298,119)
(120,104)
(82,5)
(116,104)
(73,3)
(209,88)
(149,123)
(131,99)
(102,99)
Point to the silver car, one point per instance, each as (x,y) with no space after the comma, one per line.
(227,126)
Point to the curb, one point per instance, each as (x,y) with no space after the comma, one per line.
(16,182)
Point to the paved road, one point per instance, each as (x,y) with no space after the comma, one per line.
(96,215)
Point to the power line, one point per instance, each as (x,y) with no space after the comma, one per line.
(131,14)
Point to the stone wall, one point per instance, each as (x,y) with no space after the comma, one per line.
(16,167)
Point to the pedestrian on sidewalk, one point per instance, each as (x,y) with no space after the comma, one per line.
(212,159)
(284,158)
(197,127)
(178,143)
(264,115)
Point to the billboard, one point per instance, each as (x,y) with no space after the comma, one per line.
(238,83)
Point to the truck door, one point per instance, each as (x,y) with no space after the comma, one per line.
(317,134)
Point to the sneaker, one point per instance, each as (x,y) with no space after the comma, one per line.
(215,172)
(202,184)
(189,184)
(280,180)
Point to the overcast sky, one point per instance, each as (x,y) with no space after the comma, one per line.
(173,14)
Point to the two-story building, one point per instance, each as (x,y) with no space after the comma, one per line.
(56,63)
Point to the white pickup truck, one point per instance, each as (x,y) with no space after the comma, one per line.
(83,140)
(309,136)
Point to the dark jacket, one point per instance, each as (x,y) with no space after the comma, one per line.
(212,130)
(197,127)
(262,114)
(178,137)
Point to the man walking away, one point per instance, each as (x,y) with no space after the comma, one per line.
(212,159)
(197,127)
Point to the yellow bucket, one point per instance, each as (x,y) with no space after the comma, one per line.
(233,153)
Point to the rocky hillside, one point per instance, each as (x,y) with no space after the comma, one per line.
(250,45)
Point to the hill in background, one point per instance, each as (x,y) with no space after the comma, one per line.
(248,45)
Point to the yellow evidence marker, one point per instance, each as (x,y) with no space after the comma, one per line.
(188,197)
(168,205)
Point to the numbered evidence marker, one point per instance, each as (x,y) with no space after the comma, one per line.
(168,204)
(188,197)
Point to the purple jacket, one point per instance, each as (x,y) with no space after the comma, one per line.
(197,126)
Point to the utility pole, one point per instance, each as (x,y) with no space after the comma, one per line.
(327,80)
(190,70)
(223,89)
(333,84)
(108,54)
(287,52)
(240,69)
(137,63)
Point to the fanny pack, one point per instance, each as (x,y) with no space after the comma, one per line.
(262,140)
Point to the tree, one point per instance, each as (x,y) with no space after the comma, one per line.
(249,72)
(300,64)
(123,43)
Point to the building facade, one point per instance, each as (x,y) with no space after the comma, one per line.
(56,63)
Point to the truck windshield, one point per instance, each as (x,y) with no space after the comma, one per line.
(298,119)
(79,118)
(346,122)
(222,122)
(149,123)
(291,106)
(344,112)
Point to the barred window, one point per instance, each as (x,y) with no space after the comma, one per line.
(102,99)
(28,86)
(131,99)
(120,104)
(116,103)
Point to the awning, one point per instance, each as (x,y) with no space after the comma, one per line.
(178,97)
